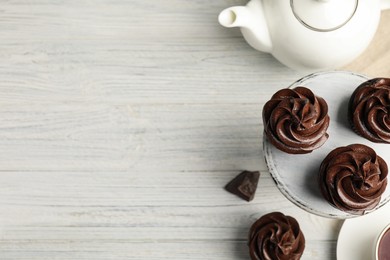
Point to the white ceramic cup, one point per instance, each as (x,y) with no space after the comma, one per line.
(378,240)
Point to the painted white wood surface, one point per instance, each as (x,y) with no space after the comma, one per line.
(120,123)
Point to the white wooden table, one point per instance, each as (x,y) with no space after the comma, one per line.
(120,123)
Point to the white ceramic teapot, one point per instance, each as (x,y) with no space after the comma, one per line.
(308,34)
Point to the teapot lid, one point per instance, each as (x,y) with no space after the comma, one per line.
(324,15)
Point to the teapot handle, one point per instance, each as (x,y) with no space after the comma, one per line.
(385,4)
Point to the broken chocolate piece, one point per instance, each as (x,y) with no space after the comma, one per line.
(244,185)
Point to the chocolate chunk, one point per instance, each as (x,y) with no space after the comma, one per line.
(244,185)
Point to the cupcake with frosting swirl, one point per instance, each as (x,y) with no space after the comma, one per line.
(295,120)
(353,178)
(369,110)
(276,236)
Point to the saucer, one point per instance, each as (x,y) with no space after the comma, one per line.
(357,236)
(296,174)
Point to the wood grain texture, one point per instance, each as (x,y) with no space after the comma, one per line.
(120,123)
(374,62)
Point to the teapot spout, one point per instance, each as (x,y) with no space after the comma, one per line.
(236,16)
(252,23)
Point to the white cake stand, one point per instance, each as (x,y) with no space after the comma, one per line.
(296,175)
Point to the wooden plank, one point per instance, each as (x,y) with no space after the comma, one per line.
(65,205)
(96,215)
(156,250)
(130,52)
(47,214)
(98,137)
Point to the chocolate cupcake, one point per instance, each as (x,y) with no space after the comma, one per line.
(353,178)
(276,236)
(295,120)
(369,110)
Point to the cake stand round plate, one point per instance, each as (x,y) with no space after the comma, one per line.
(296,175)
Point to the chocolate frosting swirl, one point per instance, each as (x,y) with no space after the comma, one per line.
(353,178)
(369,110)
(276,237)
(295,120)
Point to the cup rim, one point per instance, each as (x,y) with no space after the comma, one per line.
(379,239)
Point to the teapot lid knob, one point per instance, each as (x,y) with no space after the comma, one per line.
(324,15)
